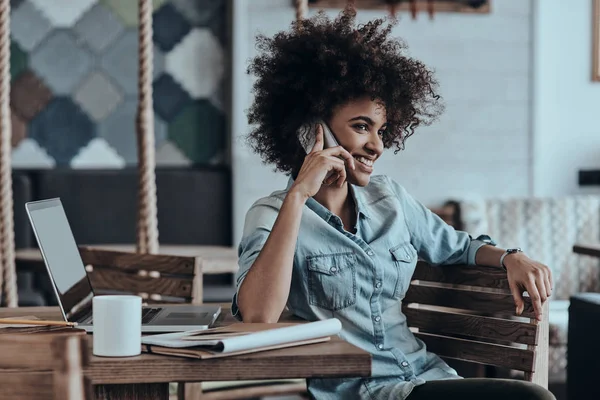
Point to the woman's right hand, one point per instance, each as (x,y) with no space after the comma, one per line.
(322,167)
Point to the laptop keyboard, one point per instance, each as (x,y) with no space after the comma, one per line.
(148,315)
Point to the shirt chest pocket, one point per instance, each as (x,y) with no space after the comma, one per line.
(404,257)
(332,280)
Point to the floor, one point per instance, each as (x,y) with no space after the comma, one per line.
(559,390)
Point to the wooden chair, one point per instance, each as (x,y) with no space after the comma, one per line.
(468,313)
(44,366)
(169,279)
(154,277)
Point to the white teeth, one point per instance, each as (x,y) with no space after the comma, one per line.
(365,161)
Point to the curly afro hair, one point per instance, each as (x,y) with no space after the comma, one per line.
(320,64)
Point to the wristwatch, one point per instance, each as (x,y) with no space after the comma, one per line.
(507,252)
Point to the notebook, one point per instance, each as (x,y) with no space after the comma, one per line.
(21,328)
(240,338)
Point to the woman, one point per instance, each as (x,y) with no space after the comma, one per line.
(339,242)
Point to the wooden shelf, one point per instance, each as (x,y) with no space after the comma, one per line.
(439,5)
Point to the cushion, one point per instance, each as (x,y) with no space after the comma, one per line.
(584,346)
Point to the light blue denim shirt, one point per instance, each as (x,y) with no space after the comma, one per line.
(361,278)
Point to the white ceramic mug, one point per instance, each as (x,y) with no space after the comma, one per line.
(117,321)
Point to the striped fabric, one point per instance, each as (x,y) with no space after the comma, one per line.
(546,229)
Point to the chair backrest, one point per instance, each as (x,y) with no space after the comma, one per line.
(44,366)
(468,313)
(156,278)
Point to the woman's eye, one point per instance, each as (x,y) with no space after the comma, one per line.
(361,126)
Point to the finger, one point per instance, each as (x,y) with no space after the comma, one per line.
(548,281)
(518,297)
(540,284)
(534,295)
(548,286)
(318,146)
(333,165)
(337,170)
(339,151)
(550,278)
(330,178)
(342,178)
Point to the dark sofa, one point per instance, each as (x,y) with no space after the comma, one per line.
(194,207)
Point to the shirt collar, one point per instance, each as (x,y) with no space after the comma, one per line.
(323,212)
(359,200)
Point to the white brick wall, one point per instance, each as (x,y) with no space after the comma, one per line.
(566,118)
(480,145)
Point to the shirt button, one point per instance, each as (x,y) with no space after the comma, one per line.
(377,318)
(404,364)
(378,285)
(370,252)
(380,346)
(333,269)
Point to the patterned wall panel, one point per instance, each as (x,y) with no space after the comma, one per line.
(74,82)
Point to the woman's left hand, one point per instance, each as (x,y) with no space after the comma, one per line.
(525,274)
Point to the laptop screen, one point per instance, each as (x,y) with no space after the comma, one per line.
(61,255)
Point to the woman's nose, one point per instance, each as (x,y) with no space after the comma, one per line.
(375,144)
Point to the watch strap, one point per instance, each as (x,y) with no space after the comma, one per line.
(507,252)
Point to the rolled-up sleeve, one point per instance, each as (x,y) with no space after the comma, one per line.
(436,242)
(257,227)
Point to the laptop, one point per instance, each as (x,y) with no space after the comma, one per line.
(72,285)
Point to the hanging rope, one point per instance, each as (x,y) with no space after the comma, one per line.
(8,277)
(301,9)
(147,223)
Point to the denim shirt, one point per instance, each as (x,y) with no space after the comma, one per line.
(361,278)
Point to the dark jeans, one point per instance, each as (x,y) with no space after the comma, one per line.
(480,389)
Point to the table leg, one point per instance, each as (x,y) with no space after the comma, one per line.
(139,391)
(189,391)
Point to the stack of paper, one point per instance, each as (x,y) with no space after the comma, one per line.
(26,328)
(240,338)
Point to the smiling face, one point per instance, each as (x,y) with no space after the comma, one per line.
(358,127)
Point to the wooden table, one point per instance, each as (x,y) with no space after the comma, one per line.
(147,376)
(589,249)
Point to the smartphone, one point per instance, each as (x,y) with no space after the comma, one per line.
(307,135)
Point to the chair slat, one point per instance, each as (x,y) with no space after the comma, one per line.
(262,390)
(479,352)
(541,358)
(462,275)
(449,323)
(135,261)
(466,299)
(112,279)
